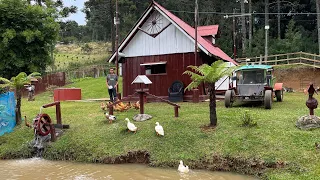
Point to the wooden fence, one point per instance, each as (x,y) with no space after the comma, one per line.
(300,58)
(55,79)
(94,71)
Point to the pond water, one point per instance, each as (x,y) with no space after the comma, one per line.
(36,168)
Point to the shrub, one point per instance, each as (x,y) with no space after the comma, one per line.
(247,120)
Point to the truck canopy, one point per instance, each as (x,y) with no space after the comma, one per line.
(249,67)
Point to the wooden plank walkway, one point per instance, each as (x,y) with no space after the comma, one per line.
(298,58)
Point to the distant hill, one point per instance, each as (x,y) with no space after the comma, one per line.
(74,56)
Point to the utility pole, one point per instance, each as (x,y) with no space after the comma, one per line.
(243,28)
(196,32)
(234,15)
(234,34)
(117,22)
(279,21)
(266,11)
(250,26)
(318,22)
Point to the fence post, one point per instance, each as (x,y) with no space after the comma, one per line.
(176,111)
(111,110)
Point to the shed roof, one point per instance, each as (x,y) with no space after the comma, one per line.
(203,44)
(211,30)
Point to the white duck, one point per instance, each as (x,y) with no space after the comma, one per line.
(110,117)
(159,129)
(182,168)
(131,126)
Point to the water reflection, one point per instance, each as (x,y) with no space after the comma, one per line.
(37,168)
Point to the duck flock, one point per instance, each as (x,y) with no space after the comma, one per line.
(159,131)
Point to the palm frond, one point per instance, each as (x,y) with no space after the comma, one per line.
(34,75)
(219,70)
(194,76)
(4,81)
(193,85)
(196,69)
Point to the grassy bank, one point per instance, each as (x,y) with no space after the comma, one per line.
(92,88)
(71,56)
(92,139)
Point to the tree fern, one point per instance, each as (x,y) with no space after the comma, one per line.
(210,75)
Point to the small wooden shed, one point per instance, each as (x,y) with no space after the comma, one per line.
(161,46)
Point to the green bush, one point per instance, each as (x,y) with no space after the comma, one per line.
(247,120)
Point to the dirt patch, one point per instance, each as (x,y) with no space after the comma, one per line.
(248,166)
(242,165)
(207,128)
(297,77)
(141,157)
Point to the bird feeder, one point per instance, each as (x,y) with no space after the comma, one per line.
(144,81)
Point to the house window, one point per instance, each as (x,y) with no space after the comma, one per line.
(155,68)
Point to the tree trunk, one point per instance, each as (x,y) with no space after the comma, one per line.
(113,41)
(39,2)
(243,28)
(18,107)
(213,105)
(318,22)
(250,26)
(279,20)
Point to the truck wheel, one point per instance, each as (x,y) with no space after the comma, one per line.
(279,95)
(228,99)
(268,99)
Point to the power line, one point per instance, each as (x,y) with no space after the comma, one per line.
(255,13)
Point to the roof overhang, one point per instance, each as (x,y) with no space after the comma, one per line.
(132,32)
(152,64)
(141,79)
(182,30)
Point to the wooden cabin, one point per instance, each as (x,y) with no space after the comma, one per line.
(161,46)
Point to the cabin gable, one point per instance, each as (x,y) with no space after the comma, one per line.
(169,40)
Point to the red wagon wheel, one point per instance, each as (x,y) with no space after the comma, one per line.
(43,124)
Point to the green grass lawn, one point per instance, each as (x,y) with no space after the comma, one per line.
(91,138)
(93,88)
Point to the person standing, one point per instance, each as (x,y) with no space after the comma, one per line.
(112,82)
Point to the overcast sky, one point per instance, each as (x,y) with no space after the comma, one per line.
(79,17)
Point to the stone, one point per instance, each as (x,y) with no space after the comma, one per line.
(142,117)
(308,122)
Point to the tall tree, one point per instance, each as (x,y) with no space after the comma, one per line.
(279,19)
(17,83)
(243,28)
(210,75)
(250,26)
(26,35)
(318,23)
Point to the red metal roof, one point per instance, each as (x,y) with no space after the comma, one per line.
(205,44)
(190,30)
(208,30)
